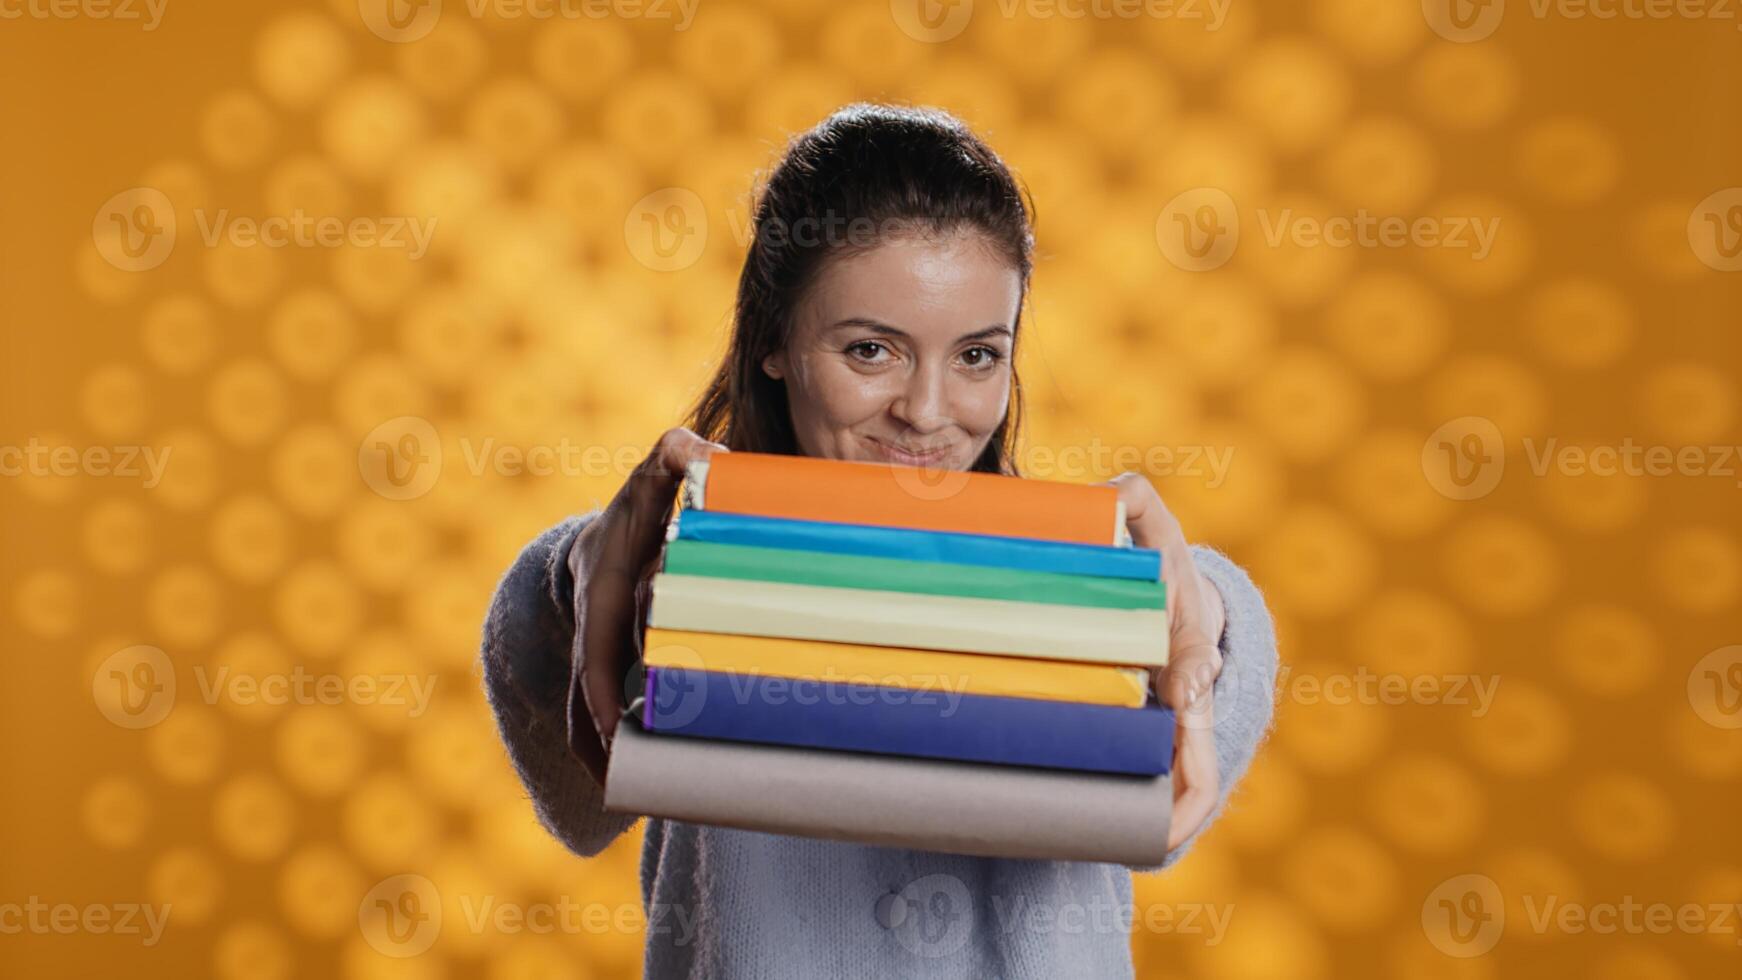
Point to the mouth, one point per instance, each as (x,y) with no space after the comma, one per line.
(909,456)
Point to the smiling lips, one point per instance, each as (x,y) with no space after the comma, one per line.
(910,457)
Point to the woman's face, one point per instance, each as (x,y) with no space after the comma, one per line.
(901,353)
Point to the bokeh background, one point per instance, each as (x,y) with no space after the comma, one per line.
(338,500)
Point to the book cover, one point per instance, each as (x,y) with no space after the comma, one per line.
(967,673)
(986,550)
(887,495)
(891,721)
(705,558)
(1126,637)
(890,801)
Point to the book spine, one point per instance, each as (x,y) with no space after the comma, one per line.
(1127,637)
(903,575)
(884,495)
(923,804)
(984,550)
(966,673)
(924,724)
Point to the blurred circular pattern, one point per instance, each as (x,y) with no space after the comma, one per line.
(1501,566)
(1570,162)
(250,950)
(299,57)
(247,401)
(1343,877)
(1607,650)
(1698,569)
(114,400)
(253,817)
(187,747)
(1464,86)
(115,812)
(1688,403)
(1317,563)
(1293,89)
(119,536)
(179,333)
(189,880)
(320,750)
(1381,163)
(238,130)
(1622,816)
(1527,732)
(318,889)
(1579,322)
(1428,804)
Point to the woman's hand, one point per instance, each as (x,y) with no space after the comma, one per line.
(613,560)
(1195,622)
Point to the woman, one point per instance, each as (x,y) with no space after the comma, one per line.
(877,319)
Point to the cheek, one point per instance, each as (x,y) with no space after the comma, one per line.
(835,395)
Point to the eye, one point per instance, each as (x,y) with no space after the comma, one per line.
(867,351)
(981,357)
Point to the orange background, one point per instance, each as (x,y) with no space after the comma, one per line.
(535,317)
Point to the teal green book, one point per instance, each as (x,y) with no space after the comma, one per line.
(749,562)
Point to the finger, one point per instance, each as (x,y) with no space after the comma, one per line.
(648,494)
(1187,684)
(1197,783)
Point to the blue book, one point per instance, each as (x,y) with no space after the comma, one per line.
(987,550)
(861,717)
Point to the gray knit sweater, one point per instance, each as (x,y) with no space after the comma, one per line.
(728,904)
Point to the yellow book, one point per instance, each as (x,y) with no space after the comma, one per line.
(902,667)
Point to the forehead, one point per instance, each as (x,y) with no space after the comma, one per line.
(921,284)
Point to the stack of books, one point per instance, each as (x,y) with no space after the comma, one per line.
(973,645)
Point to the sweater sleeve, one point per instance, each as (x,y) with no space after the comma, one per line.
(526,660)
(1245,692)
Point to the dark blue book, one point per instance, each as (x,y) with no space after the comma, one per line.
(862,717)
(989,550)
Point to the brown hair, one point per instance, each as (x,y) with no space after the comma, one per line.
(864,169)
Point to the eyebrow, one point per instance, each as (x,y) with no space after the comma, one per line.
(878,326)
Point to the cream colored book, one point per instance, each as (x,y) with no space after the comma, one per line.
(1127,637)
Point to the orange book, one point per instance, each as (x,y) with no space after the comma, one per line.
(886,495)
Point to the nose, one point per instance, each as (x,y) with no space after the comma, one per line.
(923,402)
